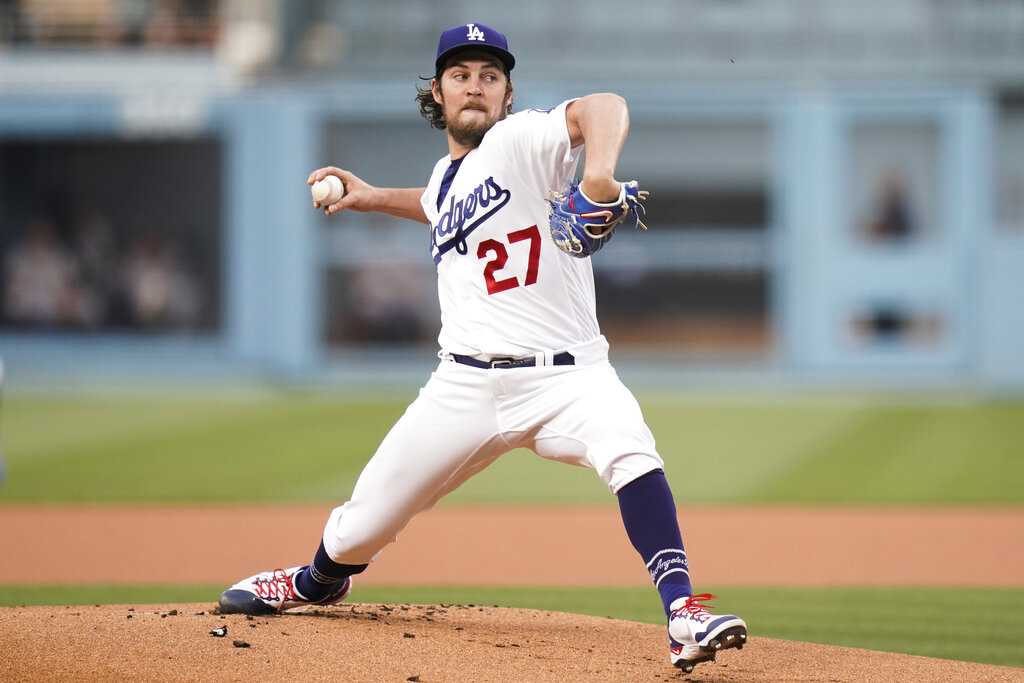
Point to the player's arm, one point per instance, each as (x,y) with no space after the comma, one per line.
(361,196)
(600,121)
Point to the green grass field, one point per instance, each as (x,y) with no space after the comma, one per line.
(976,625)
(310,447)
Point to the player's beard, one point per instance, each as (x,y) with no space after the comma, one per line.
(470,134)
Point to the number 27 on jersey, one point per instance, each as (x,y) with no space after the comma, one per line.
(499,256)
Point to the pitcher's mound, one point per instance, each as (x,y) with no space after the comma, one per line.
(410,643)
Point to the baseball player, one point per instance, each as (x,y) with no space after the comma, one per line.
(522,360)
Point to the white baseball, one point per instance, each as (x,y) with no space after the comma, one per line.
(328,191)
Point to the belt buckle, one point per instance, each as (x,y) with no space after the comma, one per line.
(501,363)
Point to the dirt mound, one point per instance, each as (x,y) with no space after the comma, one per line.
(409,643)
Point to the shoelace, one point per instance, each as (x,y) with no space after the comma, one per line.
(693,607)
(278,586)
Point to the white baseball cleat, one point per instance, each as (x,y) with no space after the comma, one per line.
(696,635)
(273,592)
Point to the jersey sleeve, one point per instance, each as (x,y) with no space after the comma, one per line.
(537,142)
(428,199)
(427,204)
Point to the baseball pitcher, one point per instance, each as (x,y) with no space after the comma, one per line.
(522,359)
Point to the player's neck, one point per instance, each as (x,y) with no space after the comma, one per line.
(457,150)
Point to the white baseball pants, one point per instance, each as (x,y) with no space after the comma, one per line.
(466,417)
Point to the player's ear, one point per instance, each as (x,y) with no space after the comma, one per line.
(508,99)
(435,89)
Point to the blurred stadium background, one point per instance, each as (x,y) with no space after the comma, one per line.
(838,187)
(837,220)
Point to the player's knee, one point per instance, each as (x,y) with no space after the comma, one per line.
(351,537)
(627,468)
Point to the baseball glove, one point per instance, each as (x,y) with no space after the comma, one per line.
(581,227)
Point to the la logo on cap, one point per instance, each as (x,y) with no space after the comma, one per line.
(472,36)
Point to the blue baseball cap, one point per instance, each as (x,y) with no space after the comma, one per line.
(473,36)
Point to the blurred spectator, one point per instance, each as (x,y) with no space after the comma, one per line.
(97,268)
(126,23)
(160,291)
(159,23)
(888,323)
(386,302)
(893,219)
(10,20)
(40,279)
(198,22)
(181,22)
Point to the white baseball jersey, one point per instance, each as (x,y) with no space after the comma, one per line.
(505,289)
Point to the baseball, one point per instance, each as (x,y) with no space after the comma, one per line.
(328,191)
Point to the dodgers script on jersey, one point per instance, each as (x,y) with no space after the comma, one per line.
(505,289)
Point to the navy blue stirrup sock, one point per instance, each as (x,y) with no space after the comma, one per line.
(323,575)
(649,515)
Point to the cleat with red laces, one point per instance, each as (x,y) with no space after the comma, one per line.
(696,635)
(273,592)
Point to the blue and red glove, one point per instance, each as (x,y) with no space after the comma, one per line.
(581,227)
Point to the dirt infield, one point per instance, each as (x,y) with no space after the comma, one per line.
(411,643)
(779,546)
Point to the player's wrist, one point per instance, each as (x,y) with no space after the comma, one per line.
(600,189)
(380,198)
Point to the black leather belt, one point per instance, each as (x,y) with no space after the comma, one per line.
(563,358)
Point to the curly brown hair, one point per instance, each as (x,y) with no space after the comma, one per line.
(434,112)
(429,109)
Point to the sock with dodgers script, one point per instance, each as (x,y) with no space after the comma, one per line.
(649,515)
